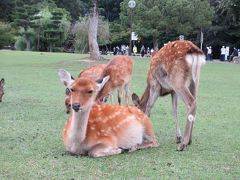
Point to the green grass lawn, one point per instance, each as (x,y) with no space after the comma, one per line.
(32,116)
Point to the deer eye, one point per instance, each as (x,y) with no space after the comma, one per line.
(90,92)
(67,91)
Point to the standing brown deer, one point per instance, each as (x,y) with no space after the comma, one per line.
(174,70)
(94,72)
(102,129)
(2,82)
(120,71)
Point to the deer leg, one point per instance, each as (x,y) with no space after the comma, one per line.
(127,92)
(147,143)
(111,97)
(189,101)
(175,114)
(192,89)
(144,145)
(101,150)
(119,95)
(154,93)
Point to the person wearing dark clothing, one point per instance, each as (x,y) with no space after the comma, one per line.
(142,51)
(234,53)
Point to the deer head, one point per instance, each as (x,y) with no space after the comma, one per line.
(2,82)
(93,72)
(83,91)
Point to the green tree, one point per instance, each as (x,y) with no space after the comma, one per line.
(49,22)
(80,32)
(6,9)
(76,8)
(164,20)
(226,23)
(6,34)
(109,9)
(37,25)
(54,32)
(23,16)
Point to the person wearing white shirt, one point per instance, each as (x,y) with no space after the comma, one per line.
(209,53)
(223,53)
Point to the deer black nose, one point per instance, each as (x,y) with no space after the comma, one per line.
(76,106)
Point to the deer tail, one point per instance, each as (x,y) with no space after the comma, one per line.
(196,61)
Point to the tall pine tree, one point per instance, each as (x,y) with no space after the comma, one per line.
(54,32)
(23,16)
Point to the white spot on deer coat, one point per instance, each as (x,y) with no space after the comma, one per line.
(191,118)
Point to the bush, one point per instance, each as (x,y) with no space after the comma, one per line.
(20,43)
(81,32)
(58,49)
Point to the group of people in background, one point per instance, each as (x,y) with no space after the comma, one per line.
(224,53)
(124,50)
(143,51)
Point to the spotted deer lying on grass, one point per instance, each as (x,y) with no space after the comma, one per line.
(94,72)
(2,82)
(102,129)
(174,69)
(120,71)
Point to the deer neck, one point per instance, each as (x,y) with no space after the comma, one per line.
(79,125)
(144,99)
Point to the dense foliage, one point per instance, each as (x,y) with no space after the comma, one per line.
(45,24)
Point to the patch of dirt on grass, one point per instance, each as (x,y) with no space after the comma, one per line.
(86,62)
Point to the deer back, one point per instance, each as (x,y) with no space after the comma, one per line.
(94,72)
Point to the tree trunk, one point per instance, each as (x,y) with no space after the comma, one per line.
(51,47)
(92,33)
(155,44)
(38,39)
(28,44)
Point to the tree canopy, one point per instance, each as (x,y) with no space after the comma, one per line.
(155,21)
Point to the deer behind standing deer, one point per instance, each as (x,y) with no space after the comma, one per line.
(120,71)
(174,69)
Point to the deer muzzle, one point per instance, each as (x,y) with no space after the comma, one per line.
(76,107)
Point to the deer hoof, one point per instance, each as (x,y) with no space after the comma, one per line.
(178,139)
(181,147)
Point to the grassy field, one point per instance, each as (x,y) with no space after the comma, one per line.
(32,117)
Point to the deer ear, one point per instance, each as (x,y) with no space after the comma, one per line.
(102,82)
(65,77)
(135,99)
